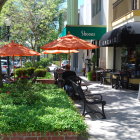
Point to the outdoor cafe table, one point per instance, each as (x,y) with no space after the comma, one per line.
(119,79)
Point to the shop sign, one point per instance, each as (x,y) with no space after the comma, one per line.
(85,32)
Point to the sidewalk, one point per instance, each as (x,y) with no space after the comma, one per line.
(122,112)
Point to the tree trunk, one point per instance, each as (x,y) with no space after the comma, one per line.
(1,83)
(2,2)
(38,50)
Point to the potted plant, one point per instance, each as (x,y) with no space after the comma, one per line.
(94,60)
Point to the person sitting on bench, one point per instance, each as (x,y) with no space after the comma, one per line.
(69,75)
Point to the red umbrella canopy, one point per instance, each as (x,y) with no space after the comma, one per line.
(14,49)
(69,42)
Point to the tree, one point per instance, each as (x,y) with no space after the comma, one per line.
(2,2)
(34,23)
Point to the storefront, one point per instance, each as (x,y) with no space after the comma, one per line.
(130,57)
(91,33)
(125,41)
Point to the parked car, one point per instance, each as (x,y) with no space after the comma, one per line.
(4,67)
(64,63)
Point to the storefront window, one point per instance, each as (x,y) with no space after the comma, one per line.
(130,57)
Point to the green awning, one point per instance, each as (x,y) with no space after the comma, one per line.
(87,32)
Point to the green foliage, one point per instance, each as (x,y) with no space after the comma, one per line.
(32,21)
(28,64)
(37,108)
(94,58)
(40,72)
(90,75)
(30,71)
(47,76)
(31,64)
(21,72)
(44,62)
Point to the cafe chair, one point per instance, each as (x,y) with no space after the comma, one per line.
(106,76)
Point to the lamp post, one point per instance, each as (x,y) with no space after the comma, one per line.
(8,23)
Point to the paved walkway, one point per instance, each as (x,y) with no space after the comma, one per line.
(122,112)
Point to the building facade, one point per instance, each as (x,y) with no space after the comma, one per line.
(124,27)
(96,13)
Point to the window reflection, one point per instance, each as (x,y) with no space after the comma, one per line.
(130,57)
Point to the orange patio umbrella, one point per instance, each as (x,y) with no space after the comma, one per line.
(69,42)
(59,51)
(15,49)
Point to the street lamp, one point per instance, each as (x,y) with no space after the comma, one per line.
(8,24)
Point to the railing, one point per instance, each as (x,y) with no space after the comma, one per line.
(121,7)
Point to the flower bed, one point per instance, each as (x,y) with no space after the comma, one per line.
(38,108)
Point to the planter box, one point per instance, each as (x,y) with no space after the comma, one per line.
(46,81)
(41,136)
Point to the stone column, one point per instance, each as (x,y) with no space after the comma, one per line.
(109,50)
(72,12)
(72,19)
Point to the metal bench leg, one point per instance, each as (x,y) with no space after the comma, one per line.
(84,110)
(103,113)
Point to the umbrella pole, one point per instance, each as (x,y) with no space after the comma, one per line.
(69,56)
(13,67)
(60,60)
(21,60)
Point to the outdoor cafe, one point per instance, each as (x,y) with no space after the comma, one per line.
(126,55)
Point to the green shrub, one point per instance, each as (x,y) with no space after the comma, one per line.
(30,71)
(90,75)
(40,72)
(21,72)
(45,62)
(47,76)
(28,64)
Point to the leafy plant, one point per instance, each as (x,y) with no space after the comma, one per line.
(45,62)
(37,108)
(30,71)
(90,75)
(47,76)
(40,72)
(21,72)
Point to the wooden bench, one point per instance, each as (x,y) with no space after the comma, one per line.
(90,100)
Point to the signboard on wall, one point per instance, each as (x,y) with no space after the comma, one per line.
(87,32)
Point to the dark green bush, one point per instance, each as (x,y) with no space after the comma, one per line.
(21,72)
(30,71)
(40,72)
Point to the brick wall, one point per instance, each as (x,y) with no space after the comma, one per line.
(40,136)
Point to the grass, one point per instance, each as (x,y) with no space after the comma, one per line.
(38,108)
